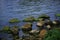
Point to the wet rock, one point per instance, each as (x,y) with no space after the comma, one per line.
(15,29)
(42,33)
(27,27)
(15,32)
(48,27)
(32,32)
(58,15)
(44,16)
(56,23)
(29,19)
(48,24)
(14,20)
(6,29)
(40,24)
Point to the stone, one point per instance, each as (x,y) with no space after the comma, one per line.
(14,20)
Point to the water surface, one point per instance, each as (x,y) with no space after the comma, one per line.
(23,8)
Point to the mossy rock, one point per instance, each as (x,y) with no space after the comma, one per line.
(36,19)
(58,15)
(14,20)
(6,29)
(29,19)
(44,16)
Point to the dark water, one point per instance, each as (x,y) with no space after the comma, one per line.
(24,8)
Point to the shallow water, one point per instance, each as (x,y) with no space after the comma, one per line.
(22,9)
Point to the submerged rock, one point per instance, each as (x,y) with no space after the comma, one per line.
(14,20)
(29,19)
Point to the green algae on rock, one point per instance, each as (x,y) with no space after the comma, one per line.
(29,19)
(14,20)
(44,16)
(6,29)
(58,15)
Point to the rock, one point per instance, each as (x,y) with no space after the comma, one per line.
(56,23)
(29,19)
(48,24)
(40,24)
(15,30)
(42,33)
(27,27)
(14,20)
(58,15)
(44,16)
(32,32)
(48,27)
(6,29)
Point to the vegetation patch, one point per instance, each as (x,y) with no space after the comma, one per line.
(53,34)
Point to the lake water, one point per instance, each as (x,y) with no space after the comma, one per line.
(23,8)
